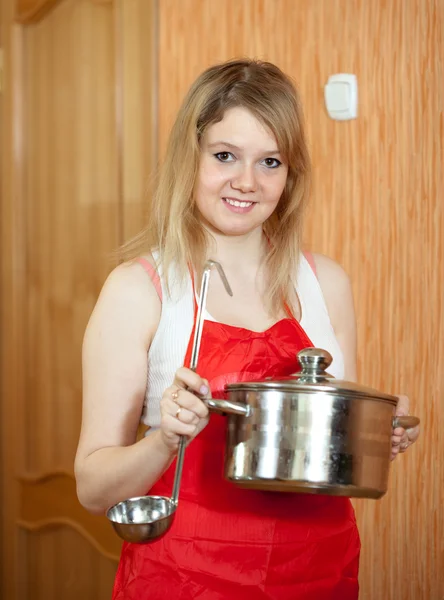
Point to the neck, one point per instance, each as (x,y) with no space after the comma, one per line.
(238,251)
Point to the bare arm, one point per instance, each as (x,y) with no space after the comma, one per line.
(338,295)
(110,465)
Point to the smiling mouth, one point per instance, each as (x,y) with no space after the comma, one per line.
(237,203)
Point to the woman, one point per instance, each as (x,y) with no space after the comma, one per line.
(233,188)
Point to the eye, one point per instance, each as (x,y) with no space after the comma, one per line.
(272,163)
(224,156)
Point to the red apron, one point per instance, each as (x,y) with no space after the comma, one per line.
(229,543)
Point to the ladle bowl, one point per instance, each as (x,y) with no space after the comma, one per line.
(143,519)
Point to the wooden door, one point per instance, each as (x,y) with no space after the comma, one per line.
(377,208)
(78,148)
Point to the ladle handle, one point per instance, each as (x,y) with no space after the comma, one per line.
(179,467)
(194,358)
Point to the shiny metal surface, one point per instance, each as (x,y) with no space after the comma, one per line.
(147,518)
(209,265)
(225,406)
(140,520)
(315,443)
(311,436)
(313,377)
(405,422)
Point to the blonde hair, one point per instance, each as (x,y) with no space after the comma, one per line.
(174,228)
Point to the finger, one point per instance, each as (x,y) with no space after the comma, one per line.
(186,416)
(395,452)
(405,443)
(402,408)
(396,440)
(404,438)
(191,402)
(170,424)
(398,431)
(180,396)
(413,433)
(179,412)
(206,386)
(185,378)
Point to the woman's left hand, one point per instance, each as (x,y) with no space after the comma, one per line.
(402,439)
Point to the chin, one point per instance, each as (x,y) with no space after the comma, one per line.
(236,231)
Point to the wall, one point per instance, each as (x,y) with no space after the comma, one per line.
(76,159)
(377,208)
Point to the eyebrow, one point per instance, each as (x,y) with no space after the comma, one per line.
(233,147)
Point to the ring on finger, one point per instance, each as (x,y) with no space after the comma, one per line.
(178,412)
(175,394)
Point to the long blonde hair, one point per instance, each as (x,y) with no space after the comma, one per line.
(174,227)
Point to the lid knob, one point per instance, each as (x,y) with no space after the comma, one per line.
(314,361)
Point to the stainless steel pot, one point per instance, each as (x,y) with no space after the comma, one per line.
(310,433)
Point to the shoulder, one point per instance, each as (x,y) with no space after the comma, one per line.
(328,269)
(129,282)
(128,299)
(336,288)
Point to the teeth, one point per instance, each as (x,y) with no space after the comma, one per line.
(238,203)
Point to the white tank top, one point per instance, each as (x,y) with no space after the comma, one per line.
(169,345)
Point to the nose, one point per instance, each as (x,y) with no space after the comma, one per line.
(245,179)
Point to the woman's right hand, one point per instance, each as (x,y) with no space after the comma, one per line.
(181,408)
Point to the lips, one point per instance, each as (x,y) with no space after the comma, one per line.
(239,207)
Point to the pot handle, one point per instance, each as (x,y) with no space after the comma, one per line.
(225,406)
(405,422)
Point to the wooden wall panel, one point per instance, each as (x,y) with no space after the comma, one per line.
(137,109)
(377,208)
(72,212)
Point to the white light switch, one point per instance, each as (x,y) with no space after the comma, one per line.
(341,96)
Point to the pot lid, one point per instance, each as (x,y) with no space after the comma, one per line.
(313,378)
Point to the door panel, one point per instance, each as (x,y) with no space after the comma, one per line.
(80,114)
(81,571)
(72,211)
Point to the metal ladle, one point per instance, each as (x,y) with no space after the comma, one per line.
(144,519)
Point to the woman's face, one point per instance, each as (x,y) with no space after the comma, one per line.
(241,174)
